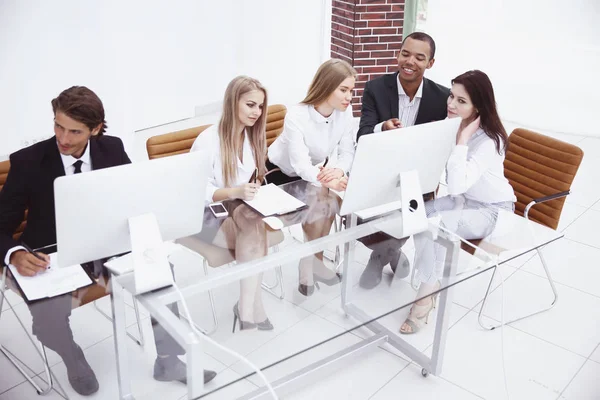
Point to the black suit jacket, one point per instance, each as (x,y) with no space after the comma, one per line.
(380,102)
(30,185)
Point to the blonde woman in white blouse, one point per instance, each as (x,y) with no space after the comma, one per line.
(236,147)
(312,131)
(476,185)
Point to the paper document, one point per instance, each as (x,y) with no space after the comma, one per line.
(55,281)
(272,200)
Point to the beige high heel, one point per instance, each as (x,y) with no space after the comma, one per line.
(418,314)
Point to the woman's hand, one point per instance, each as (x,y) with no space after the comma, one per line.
(338,184)
(329,174)
(247,191)
(468,131)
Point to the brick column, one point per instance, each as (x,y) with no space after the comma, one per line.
(367,34)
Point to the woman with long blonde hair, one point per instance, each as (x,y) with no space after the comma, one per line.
(236,149)
(313,130)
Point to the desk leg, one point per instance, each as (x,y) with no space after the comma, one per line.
(443,316)
(349,247)
(195,370)
(120,337)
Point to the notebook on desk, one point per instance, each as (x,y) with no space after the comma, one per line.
(272,200)
(53,282)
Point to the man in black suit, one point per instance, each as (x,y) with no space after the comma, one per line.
(79,145)
(402,99)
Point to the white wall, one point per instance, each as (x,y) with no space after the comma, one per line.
(543,56)
(282,46)
(150,62)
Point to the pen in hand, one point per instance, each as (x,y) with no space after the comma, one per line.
(254,176)
(33,253)
(325,163)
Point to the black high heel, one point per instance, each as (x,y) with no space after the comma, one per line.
(243,324)
(306,290)
(266,325)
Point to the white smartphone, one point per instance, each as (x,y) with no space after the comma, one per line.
(218,210)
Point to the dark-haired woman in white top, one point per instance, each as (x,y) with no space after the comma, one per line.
(476,185)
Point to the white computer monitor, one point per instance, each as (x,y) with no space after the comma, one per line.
(381,157)
(93,209)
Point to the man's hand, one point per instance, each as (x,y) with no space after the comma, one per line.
(390,124)
(27,264)
(329,174)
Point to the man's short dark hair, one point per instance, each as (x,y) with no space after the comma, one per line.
(423,37)
(81,104)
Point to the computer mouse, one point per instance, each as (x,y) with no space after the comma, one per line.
(274,222)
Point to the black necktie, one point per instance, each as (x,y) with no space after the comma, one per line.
(77,164)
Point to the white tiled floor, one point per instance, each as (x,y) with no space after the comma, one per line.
(555,355)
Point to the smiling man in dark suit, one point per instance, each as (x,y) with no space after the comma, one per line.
(393,101)
(79,145)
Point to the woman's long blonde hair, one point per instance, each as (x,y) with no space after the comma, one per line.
(230,127)
(328,77)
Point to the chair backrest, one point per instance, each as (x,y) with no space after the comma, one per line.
(170,144)
(4,168)
(275,117)
(179,142)
(538,166)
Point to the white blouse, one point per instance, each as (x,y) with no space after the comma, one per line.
(308,138)
(208,141)
(477,171)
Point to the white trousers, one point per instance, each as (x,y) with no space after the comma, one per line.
(467,218)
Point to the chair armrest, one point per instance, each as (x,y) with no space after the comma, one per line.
(269,172)
(544,199)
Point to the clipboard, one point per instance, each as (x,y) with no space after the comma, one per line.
(81,278)
(272,200)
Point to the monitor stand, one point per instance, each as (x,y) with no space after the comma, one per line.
(150,263)
(414,217)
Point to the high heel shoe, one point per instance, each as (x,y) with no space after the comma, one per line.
(243,324)
(306,290)
(417,314)
(266,325)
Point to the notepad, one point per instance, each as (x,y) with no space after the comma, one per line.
(272,200)
(53,282)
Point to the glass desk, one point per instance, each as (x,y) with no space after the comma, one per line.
(311,335)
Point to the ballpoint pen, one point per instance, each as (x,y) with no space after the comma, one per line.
(254,176)
(30,251)
(326,161)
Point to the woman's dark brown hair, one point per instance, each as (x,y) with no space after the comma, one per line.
(480,90)
(82,105)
